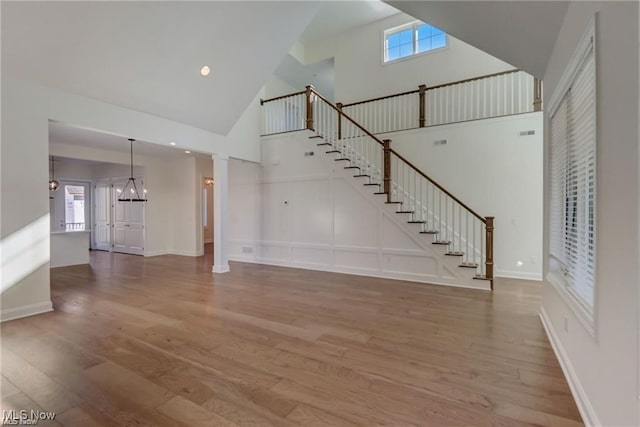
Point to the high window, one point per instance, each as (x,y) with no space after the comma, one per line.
(412,39)
(572,119)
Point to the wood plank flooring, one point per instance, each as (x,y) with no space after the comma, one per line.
(161,341)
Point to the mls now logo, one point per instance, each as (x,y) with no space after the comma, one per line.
(26,418)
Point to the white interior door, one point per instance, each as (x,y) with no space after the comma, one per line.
(128,224)
(102,216)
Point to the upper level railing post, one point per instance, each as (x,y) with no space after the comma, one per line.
(339,105)
(309,94)
(489,249)
(537,94)
(387,168)
(423,105)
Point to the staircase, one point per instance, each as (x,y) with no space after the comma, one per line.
(425,205)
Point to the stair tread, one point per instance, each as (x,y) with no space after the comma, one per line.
(332,151)
(379,192)
(342,159)
(388,203)
(315,136)
(405,212)
(352,167)
(441,242)
(480,277)
(429,232)
(361,175)
(323,143)
(417,222)
(469,265)
(455,254)
(371,183)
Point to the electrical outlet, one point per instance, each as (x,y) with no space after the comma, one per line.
(308,153)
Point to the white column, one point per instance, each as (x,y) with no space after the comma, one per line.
(220,217)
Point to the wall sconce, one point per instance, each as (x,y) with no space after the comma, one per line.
(208,181)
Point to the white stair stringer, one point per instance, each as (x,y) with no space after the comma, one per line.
(448,270)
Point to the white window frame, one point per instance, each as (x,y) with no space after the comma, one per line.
(558,272)
(414,26)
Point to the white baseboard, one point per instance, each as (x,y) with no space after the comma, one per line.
(589,416)
(518,275)
(483,285)
(156,253)
(25,311)
(187,253)
(221,268)
(170,252)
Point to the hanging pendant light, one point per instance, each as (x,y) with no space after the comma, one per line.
(53,184)
(130,191)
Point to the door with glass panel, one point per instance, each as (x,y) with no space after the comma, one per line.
(102,216)
(71,206)
(128,223)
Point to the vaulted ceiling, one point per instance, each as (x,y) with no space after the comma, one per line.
(147,56)
(522,33)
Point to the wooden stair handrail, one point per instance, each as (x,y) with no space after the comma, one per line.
(486,76)
(440,187)
(263,101)
(356,124)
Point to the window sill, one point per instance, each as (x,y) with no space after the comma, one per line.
(584,316)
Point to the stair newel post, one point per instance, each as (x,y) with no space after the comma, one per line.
(309,94)
(423,105)
(339,105)
(387,168)
(489,248)
(537,94)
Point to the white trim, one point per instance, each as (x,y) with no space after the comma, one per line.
(483,285)
(589,416)
(524,275)
(586,319)
(156,253)
(414,26)
(173,252)
(587,43)
(25,311)
(220,268)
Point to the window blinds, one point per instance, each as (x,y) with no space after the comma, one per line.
(573,170)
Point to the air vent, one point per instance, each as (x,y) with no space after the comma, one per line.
(308,153)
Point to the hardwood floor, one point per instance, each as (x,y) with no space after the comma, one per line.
(161,341)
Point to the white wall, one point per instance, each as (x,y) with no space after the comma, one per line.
(603,370)
(275,86)
(361,74)
(24,170)
(309,212)
(497,172)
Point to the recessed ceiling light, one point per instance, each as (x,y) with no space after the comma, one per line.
(204,71)
(172,143)
(187,151)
